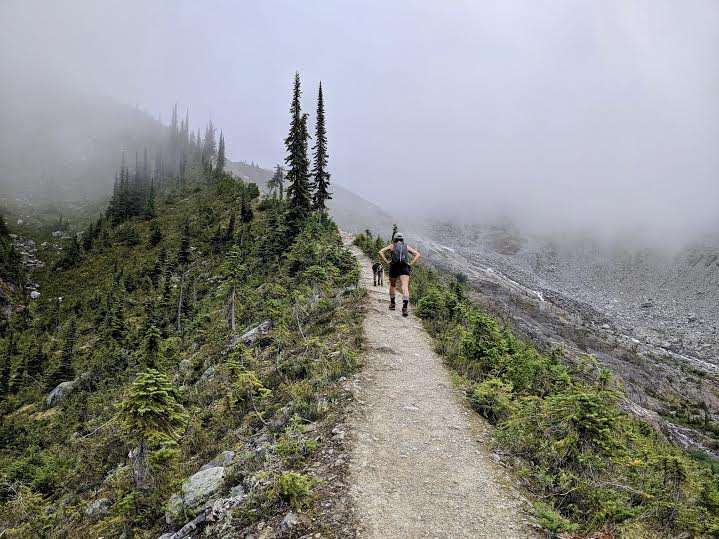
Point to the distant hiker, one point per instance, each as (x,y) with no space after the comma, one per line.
(378,273)
(399,268)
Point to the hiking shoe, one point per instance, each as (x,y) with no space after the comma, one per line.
(392,306)
(405,310)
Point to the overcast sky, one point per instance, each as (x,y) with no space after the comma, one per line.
(568,113)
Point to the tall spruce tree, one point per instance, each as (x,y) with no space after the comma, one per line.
(209,148)
(234,270)
(152,347)
(276,183)
(321,178)
(64,371)
(220,167)
(298,188)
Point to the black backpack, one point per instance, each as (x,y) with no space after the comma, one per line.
(399,252)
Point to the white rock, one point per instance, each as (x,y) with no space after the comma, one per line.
(34,294)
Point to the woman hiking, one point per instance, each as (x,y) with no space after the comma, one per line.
(399,268)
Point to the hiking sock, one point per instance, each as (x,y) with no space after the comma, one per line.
(391,303)
(405,302)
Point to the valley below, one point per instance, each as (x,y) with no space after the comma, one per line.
(651,322)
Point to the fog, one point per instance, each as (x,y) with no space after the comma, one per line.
(558,115)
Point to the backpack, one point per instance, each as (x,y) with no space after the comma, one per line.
(399,252)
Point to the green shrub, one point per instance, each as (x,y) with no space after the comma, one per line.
(294,488)
(492,399)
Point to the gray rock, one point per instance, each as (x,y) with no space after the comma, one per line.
(187,529)
(289,522)
(34,294)
(223,459)
(252,335)
(60,393)
(237,491)
(208,375)
(97,508)
(197,490)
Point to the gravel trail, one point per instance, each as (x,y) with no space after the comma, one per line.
(420,462)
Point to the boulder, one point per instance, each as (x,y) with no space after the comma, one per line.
(98,508)
(208,375)
(60,393)
(223,459)
(256,332)
(289,522)
(34,294)
(197,490)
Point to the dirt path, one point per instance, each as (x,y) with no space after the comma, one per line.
(420,465)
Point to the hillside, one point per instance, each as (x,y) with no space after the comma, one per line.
(146,304)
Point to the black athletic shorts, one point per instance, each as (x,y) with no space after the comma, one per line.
(398,268)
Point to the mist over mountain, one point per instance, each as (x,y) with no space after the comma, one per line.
(65,144)
(565,119)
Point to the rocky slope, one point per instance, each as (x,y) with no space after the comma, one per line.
(650,316)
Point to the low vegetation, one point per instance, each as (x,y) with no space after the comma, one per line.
(589,465)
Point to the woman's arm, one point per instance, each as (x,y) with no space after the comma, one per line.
(415,255)
(383,250)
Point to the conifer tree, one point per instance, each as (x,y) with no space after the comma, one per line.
(233,270)
(34,362)
(150,204)
(276,183)
(158,268)
(209,148)
(298,188)
(183,252)
(64,371)
(230,232)
(220,168)
(274,240)
(72,255)
(88,237)
(152,347)
(183,259)
(155,234)
(153,416)
(321,178)
(246,213)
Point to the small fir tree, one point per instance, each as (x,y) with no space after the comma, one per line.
(153,416)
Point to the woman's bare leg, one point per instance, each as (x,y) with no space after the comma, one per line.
(404,282)
(392,291)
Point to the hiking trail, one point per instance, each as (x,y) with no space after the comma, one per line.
(420,462)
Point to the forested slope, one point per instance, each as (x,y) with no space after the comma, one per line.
(179,355)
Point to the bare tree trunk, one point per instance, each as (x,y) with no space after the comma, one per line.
(140,468)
